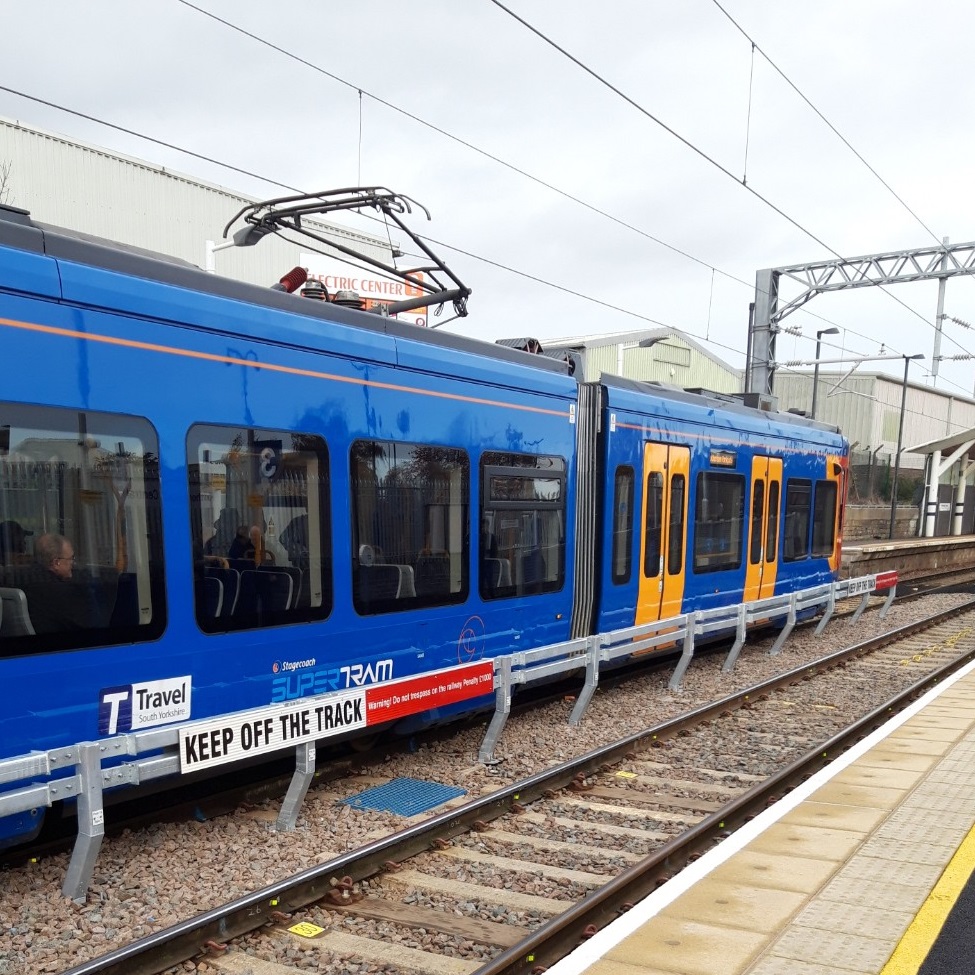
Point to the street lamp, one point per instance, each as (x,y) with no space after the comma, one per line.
(832,330)
(900,440)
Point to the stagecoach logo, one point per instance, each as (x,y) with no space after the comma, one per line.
(132,707)
(284,666)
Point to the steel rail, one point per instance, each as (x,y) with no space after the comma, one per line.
(189,939)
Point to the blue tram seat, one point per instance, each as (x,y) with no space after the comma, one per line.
(15,620)
(532,572)
(277,590)
(495,574)
(377,584)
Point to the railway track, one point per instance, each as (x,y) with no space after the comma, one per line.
(513,879)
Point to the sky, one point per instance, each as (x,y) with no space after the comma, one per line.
(636,178)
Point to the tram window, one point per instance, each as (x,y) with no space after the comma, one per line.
(824,518)
(80,530)
(410,524)
(675,538)
(653,530)
(261,529)
(719,519)
(796,532)
(622,525)
(772,525)
(523,505)
(758,513)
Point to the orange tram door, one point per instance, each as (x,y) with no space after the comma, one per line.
(763,528)
(664,538)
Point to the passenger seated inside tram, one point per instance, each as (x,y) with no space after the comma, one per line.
(240,544)
(255,550)
(57,599)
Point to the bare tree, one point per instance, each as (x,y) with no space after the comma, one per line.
(5,168)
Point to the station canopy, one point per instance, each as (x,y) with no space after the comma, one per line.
(959,446)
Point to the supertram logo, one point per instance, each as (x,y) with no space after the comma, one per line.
(132,707)
(232,737)
(300,678)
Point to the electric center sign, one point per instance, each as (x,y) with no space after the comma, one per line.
(370,286)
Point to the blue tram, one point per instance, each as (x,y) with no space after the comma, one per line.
(216,497)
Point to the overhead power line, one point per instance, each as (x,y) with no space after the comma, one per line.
(690,145)
(839,135)
(446,134)
(360,91)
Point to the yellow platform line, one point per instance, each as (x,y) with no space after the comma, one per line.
(913,948)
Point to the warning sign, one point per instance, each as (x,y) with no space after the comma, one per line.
(400,698)
(218,741)
(235,736)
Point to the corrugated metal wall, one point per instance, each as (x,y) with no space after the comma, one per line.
(867,409)
(667,361)
(87,189)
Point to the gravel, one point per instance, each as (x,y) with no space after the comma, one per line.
(148,880)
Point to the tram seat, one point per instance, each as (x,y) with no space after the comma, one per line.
(431,575)
(377,584)
(126,609)
(213,596)
(230,580)
(497,574)
(532,571)
(407,586)
(293,574)
(263,592)
(15,619)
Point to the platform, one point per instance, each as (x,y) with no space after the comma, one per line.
(853,873)
(911,558)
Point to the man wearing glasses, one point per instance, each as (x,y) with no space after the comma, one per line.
(55,601)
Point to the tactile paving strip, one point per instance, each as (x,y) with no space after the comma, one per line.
(404,797)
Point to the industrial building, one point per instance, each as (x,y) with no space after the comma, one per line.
(95,191)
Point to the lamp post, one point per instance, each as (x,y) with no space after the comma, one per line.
(832,330)
(900,439)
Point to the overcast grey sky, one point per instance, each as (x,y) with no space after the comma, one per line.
(563,183)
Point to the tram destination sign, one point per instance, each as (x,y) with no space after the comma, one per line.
(232,737)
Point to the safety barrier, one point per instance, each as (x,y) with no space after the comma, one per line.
(143,756)
(591,653)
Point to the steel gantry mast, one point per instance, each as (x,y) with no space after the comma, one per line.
(939,261)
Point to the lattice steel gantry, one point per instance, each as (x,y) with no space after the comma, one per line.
(939,261)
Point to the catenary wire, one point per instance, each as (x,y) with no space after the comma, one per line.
(488,155)
(826,121)
(276,182)
(271,181)
(700,152)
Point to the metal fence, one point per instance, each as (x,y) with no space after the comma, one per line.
(84,771)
